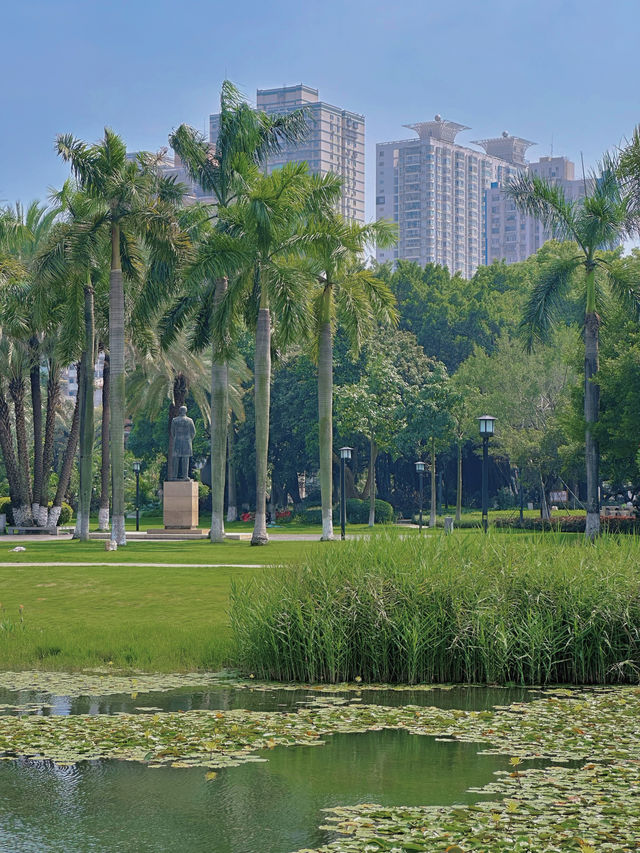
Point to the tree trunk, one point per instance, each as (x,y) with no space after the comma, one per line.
(67,464)
(262,371)
(325,414)
(373,455)
(103,512)
(36,408)
(232,506)
(8,451)
(544,505)
(459,484)
(86,419)
(53,402)
(22,513)
(432,512)
(591,411)
(116,350)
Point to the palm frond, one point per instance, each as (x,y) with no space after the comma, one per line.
(547,296)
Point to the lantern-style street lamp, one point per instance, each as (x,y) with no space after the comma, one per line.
(420,470)
(345,453)
(486,423)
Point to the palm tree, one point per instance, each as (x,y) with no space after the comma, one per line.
(597,222)
(245,138)
(140,212)
(273,226)
(349,294)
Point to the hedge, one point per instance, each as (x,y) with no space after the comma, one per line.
(357,513)
(571,524)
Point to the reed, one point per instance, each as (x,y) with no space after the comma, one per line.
(500,608)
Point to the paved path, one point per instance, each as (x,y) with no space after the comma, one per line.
(6,565)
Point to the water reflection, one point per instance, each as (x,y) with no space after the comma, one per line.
(227,698)
(274,807)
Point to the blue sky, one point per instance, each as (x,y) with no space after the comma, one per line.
(555,70)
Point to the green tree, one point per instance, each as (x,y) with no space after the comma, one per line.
(139,211)
(245,138)
(351,295)
(595,223)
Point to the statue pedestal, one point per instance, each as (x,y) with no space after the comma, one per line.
(180,505)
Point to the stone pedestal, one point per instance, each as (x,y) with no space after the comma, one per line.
(180,505)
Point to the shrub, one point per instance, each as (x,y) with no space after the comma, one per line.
(6,509)
(358,512)
(66,513)
(570,524)
(482,609)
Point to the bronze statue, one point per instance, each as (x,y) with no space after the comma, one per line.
(182,433)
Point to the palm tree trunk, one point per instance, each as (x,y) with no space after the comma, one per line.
(219,417)
(544,505)
(67,465)
(116,350)
(232,500)
(86,419)
(373,455)
(22,513)
(103,512)
(36,408)
(432,510)
(591,411)
(8,451)
(262,371)
(53,401)
(325,414)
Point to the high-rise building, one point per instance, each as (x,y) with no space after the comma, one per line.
(335,141)
(513,236)
(433,188)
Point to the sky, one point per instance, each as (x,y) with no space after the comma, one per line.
(561,72)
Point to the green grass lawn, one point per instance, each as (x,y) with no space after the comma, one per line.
(152,618)
(139,617)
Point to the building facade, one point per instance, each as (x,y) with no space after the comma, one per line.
(434,189)
(335,141)
(513,236)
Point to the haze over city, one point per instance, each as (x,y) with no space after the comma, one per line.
(532,70)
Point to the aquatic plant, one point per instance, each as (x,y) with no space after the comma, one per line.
(495,609)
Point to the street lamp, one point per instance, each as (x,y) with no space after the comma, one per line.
(486,429)
(420,470)
(345,453)
(136,468)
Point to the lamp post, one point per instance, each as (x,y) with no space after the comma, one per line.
(420,470)
(345,453)
(136,468)
(486,429)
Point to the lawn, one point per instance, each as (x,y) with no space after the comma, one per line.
(149,617)
(152,618)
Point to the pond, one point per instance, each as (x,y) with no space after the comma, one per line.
(269,807)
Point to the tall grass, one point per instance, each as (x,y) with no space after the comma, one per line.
(462,608)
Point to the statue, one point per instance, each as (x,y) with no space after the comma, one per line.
(182,433)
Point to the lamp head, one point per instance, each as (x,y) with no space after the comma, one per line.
(486,423)
(345,452)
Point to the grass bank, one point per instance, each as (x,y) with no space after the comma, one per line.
(156,618)
(544,608)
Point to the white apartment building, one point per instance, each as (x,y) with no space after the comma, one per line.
(335,142)
(434,189)
(513,236)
